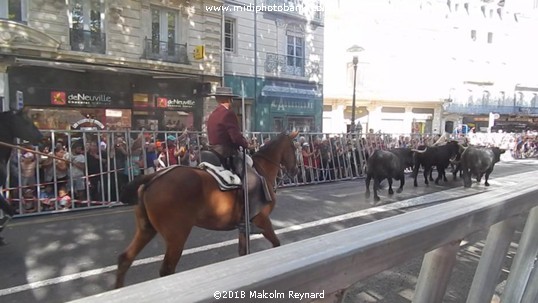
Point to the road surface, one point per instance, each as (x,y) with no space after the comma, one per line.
(58,258)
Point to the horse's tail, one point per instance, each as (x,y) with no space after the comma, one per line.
(130,192)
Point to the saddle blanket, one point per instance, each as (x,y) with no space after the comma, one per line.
(225,178)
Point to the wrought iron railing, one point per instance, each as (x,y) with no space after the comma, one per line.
(166,51)
(288,65)
(311,10)
(488,108)
(87,41)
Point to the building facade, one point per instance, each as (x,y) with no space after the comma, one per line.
(276,57)
(110,64)
(429,66)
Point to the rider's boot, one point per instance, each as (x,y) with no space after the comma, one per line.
(253,229)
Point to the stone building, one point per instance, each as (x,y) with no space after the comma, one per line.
(430,66)
(283,81)
(123,63)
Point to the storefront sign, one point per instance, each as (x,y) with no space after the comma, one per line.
(89,122)
(79,98)
(285,105)
(174,103)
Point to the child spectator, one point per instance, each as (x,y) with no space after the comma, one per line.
(28,201)
(28,167)
(46,198)
(78,171)
(64,201)
(151,156)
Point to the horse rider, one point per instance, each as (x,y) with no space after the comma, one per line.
(225,139)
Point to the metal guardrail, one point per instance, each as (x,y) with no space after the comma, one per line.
(34,187)
(327,265)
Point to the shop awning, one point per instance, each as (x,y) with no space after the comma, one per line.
(290,92)
(84,67)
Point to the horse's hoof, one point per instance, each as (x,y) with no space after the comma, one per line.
(486,184)
(399,190)
(391,192)
(376,199)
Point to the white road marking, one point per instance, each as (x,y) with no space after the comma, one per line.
(424,199)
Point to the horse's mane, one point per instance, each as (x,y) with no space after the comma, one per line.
(266,147)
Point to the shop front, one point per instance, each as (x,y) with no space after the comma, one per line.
(68,100)
(289,106)
(167,105)
(60,99)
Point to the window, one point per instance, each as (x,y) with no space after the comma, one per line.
(485,97)
(501,99)
(229,35)
(295,51)
(87,26)
(165,31)
(14,10)
(473,35)
(490,38)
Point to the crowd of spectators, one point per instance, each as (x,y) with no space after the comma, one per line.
(79,171)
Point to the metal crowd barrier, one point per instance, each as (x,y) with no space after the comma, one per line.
(40,184)
(323,268)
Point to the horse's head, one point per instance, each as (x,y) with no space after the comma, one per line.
(289,157)
(20,126)
(281,153)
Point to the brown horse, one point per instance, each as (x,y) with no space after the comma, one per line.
(172,203)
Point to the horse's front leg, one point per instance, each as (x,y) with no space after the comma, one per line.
(263,221)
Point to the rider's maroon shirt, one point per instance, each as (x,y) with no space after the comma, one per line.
(223,128)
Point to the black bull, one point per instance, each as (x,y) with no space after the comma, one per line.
(387,165)
(477,161)
(438,156)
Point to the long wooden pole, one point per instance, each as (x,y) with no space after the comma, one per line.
(32,151)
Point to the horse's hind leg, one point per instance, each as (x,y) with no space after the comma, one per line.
(175,239)
(144,233)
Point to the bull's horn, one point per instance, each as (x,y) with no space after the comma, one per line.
(419,151)
(463,147)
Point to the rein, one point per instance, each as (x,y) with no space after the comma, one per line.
(31,151)
(271,161)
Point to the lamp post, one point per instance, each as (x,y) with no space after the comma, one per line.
(354,50)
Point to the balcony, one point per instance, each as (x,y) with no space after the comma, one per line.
(278,66)
(297,8)
(165,51)
(490,108)
(87,41)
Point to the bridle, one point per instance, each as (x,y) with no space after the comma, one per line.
(271,161)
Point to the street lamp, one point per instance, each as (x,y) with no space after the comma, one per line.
(354,50)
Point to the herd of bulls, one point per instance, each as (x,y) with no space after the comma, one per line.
(469,160)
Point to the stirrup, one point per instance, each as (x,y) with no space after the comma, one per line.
(253,228)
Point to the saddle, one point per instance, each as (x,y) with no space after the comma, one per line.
(258,191)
